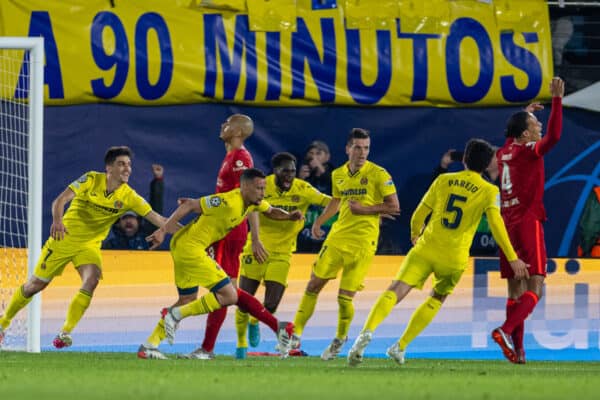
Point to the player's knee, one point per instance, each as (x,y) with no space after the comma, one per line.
(271,305)
(227,295)
(33,286)
(315,285)
(90,283)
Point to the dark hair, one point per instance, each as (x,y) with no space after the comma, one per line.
(250,174)
(357,133)
(279,158)
(478,154)
(516,124)
(116,151)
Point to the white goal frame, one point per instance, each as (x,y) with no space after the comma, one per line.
(35,46)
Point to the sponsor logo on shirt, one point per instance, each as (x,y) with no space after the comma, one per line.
(354,192)
(239,166)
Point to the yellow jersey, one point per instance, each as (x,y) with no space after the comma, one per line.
(369,185)
(280,236)
(93,211)
(457,202)
(220,214)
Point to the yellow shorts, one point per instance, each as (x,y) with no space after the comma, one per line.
(353,261)
(56,254)
(194,269)
(275,269)
(416,268)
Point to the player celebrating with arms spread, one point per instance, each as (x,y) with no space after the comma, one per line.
(97,201)
(521,165)
(218,214)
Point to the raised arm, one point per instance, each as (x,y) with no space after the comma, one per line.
(554,128)
(57,229)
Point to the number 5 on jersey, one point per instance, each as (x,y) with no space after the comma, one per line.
(453,206)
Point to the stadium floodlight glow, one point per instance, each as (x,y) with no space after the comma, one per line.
(21,157)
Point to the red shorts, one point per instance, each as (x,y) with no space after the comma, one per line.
(527,239)
(226,251)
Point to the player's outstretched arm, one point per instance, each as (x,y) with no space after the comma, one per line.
(158,220)
(282,215)
(186,206)
(57,229)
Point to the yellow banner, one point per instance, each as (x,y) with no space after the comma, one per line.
(153,52)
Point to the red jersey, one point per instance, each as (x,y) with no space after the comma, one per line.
(235,162)
(521,168)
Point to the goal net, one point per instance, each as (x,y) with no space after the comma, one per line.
(21,124)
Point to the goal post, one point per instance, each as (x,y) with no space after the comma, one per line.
(21,172)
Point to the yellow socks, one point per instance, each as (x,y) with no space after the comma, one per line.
(204,305)
(241,327)
(17,302)
(345,315)
(422,317)
(157,335)
(77,308)
(382,308)
(305,311)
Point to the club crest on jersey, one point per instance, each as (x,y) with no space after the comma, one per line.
(118,204)
(295,199)
(213,201)
(364,181)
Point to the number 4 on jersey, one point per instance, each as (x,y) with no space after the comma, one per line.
(506,182)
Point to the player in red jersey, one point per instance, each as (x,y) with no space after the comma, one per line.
(234,131)
(521,167)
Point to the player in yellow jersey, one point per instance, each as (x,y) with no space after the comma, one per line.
(362,192)
(97,201)
(266,256)
(218,214)
(454,203)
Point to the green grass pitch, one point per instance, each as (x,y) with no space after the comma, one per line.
(116,376)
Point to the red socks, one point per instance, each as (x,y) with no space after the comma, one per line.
(247,303)
(251,305)
(517,335)
(214,321)
(520,311)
